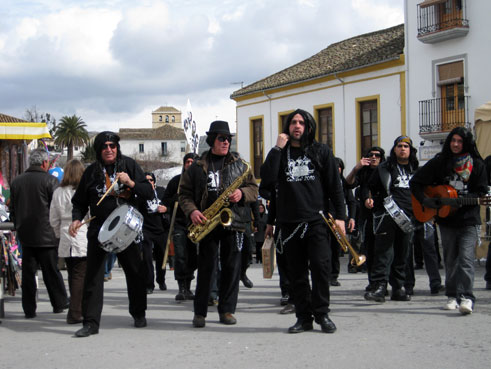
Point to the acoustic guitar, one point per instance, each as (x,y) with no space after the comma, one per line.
(449,202)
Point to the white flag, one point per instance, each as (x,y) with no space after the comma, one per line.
(190,129)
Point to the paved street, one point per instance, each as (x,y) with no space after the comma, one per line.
(415,334)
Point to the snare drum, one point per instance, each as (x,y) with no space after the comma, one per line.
(398,215)
(120,229)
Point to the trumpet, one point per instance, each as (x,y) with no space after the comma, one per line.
(357,259)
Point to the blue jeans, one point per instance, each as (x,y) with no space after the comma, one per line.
(458,252)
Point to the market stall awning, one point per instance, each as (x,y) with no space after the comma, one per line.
(16,129)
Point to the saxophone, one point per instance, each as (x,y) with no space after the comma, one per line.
(218,212)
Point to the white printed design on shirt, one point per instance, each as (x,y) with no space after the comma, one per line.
(300,170)
(213,181)
(460,186)
(402,180)
(152,205)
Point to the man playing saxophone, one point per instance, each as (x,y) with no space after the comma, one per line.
(217,173)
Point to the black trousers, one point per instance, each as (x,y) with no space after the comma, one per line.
(185,255)
(390,253)
(424,237)
(335,254)
(47,259)
(311,251)
(368,245)
(153,246)
(228,290)
(247,247)
(132,263)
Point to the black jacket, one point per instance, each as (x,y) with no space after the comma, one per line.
(438,172)
(30,199)
(91,189)
(193,192)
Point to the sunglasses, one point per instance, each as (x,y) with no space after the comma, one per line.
(376,154)
(150,180)
(224,138)
(109,146)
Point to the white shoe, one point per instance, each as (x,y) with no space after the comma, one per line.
(451,304)
(465,306)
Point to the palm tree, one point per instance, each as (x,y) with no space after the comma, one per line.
(71,131)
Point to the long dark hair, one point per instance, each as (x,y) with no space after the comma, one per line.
(308,136)
(413,158)
(469,144)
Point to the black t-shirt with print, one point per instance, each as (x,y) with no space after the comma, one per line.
(300,187)
(401,192)
(215,165)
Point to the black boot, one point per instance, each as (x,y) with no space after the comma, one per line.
(378,294)
(246,281)
(181,295)
(187,290)
(400,295)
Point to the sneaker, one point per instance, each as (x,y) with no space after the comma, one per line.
(451,304)
(465,306)
(199,321)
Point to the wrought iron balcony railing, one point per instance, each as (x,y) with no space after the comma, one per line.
(443,114)
(441,17)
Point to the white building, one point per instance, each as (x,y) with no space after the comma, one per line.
(448,48)
(165,143)
(354,88)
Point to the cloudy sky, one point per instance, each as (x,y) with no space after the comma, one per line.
(114,61)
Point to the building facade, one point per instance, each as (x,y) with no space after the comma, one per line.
(354,88)
(447,54)
(166,115)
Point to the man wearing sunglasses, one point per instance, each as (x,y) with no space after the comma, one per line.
(358,177)
(200,186)
(110,166)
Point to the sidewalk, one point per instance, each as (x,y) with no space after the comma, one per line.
(415,334)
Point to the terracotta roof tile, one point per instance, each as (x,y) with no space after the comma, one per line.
(8,119)
(357,52)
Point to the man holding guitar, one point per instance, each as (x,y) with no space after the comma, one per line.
(460,172)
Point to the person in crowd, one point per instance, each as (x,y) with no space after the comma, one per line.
(184,249)
(110,167)
(73,249)
(306,176)
(359,177)
(459,165)
(487,275)
(203,183)
(155,231)
(109,265)
(30,199)
(260,227)
(349,200)
(392,242)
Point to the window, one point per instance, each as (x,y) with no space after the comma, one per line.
(451,83)
(141,148)
(183,146)
(325,126)
(164,148)
(368,124)
(173,119)
(257,144)
(166,119)
(160,118)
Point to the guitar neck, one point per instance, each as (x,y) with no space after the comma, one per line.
(466,201)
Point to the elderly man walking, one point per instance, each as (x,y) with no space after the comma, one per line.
(30,198)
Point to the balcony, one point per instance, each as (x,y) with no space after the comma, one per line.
(440,20)
(437,117)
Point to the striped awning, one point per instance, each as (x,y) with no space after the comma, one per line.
(23,131)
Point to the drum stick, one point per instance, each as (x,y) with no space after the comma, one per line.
(108,190)
(85,222)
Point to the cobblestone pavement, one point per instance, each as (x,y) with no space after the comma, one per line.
(415,334)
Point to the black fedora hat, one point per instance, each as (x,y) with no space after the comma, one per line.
(219,126)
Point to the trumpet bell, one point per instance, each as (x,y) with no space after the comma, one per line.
(360,260)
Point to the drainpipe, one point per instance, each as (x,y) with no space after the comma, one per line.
(270,121)
(344,115)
